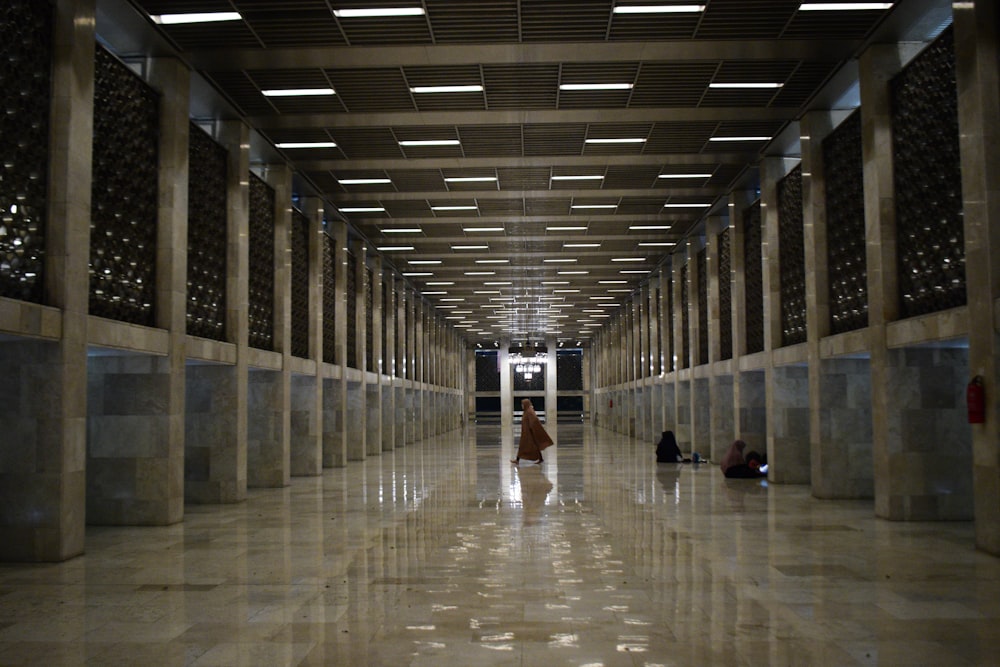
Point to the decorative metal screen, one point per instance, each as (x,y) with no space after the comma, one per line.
(207,242)
(703,307)
(845,226)
(25,82)
(524,383)
(261,279)
(753,278)
(369,288)
(300,284)
(792,258)
(685,359)
(725,294)
(487,370)
(352,310)
(928,182)
(329,301)
(125,196)
(569,370)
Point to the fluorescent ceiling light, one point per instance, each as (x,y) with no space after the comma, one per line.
(595,177)
(602,298)
(743,86)
(434,293)
(555,282)
(594,206)
(480,273)
(610,282)
(401,230)
(628,259)
(651,227)
(447,89)
(298,92)
(565,229)
(621,291)
(684,176)
(492,261)
(623,140)
(565,291)
(423,261)
(457,298)
(498,282)
(377,12)
(306,144)
(841,6)
(454,208)
(595,86)
(415,274)
(482,229)
(441,283)
(685,205)
(572,273)
(470,179)
(470,247)
(430,142)
(363,181)
(633,272)
(201,17)
(740,138)
(446,306)
(656,244)
(486,291)
(559,261)
(581,245)
(395,248)
(363,209)
(658,9)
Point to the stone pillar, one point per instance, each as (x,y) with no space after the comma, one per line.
(877,66)
(42,459)
(976,27)
(373,377)
(787,394)
(215,441)
(135,431)
(386,363)
(357,421)
(335,388)
(399,388)
(665,420)
(306,388)
(269,389)
(840,431)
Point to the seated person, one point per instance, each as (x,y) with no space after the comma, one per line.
(667,450)
(734,466)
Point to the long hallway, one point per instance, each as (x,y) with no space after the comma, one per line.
(443,553)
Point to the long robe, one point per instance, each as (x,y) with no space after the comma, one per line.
(533,437)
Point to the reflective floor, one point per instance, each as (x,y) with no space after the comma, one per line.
(445,554)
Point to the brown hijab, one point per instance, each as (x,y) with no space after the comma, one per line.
(734,456)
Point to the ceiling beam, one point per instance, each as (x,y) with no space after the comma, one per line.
(344,57)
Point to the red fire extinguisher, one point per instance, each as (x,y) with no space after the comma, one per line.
(976,399)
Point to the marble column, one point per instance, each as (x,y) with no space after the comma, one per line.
(269,377)
(386,362)
(976,37)
(840,426)
(135,429)
(356,424)
(335,386)
(42,462)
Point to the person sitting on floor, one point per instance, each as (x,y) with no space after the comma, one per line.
(735,466)
(667,450)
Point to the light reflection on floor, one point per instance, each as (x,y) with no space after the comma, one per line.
(445,554)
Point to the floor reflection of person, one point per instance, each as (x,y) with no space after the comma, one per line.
(533,436)
(535,488)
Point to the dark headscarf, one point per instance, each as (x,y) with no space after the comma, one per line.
(667,450)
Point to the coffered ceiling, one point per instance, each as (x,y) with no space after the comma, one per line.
(550,201)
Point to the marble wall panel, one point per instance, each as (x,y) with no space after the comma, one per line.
(722,425)
(702,416)
(267,449)
(306,445)
(334,453)
(356,421)
(752,410)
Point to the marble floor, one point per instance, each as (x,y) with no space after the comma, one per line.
(443,553)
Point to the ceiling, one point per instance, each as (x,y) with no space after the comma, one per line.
(522,250)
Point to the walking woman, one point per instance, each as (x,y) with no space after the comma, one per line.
(533,437)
